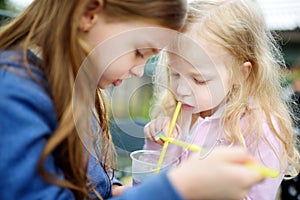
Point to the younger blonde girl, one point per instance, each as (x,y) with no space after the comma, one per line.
(228,77)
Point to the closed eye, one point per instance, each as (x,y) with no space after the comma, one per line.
(200,82)
(175,75)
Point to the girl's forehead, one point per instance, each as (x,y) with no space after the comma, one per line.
(184,67)
(153,36)
(196,61)
(199,48)
(189,50)
(202,65)
(197,54)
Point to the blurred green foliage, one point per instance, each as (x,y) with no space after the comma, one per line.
(3,4)
(293,75)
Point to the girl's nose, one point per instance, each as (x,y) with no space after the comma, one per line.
(137,71)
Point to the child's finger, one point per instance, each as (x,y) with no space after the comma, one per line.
(153,130)
(160,123)
(147,132)
(165,128)
(175,131)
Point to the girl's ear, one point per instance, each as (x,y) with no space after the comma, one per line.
(246,68)
(90,15)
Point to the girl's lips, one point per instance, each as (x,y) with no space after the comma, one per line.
(117,83)
(187,107)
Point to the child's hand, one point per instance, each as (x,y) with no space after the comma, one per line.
(159,125)
(118,190)
(223,172)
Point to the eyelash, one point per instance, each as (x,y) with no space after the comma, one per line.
(139,54)
(202,82)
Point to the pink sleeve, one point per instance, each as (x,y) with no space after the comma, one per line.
(265,155)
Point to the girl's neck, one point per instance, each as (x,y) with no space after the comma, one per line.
(207,113)
(203,114)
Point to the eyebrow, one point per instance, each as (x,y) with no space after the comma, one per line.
(190,73)
(151,50)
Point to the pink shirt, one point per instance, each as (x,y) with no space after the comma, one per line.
(207,133)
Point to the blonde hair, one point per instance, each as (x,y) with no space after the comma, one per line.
(52,25)
(238,27)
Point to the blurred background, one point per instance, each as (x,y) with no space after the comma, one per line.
(282,17)
(132,101)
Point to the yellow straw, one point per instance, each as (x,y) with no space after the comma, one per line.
(180,143)
(171,127)
(264,171)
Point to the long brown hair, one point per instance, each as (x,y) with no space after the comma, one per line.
(52,26)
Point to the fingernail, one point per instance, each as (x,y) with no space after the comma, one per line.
(156,137)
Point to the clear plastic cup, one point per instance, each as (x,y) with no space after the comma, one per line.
(144,164)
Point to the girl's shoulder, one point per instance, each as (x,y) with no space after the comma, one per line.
(24,88)
(16,69)
(14,60)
